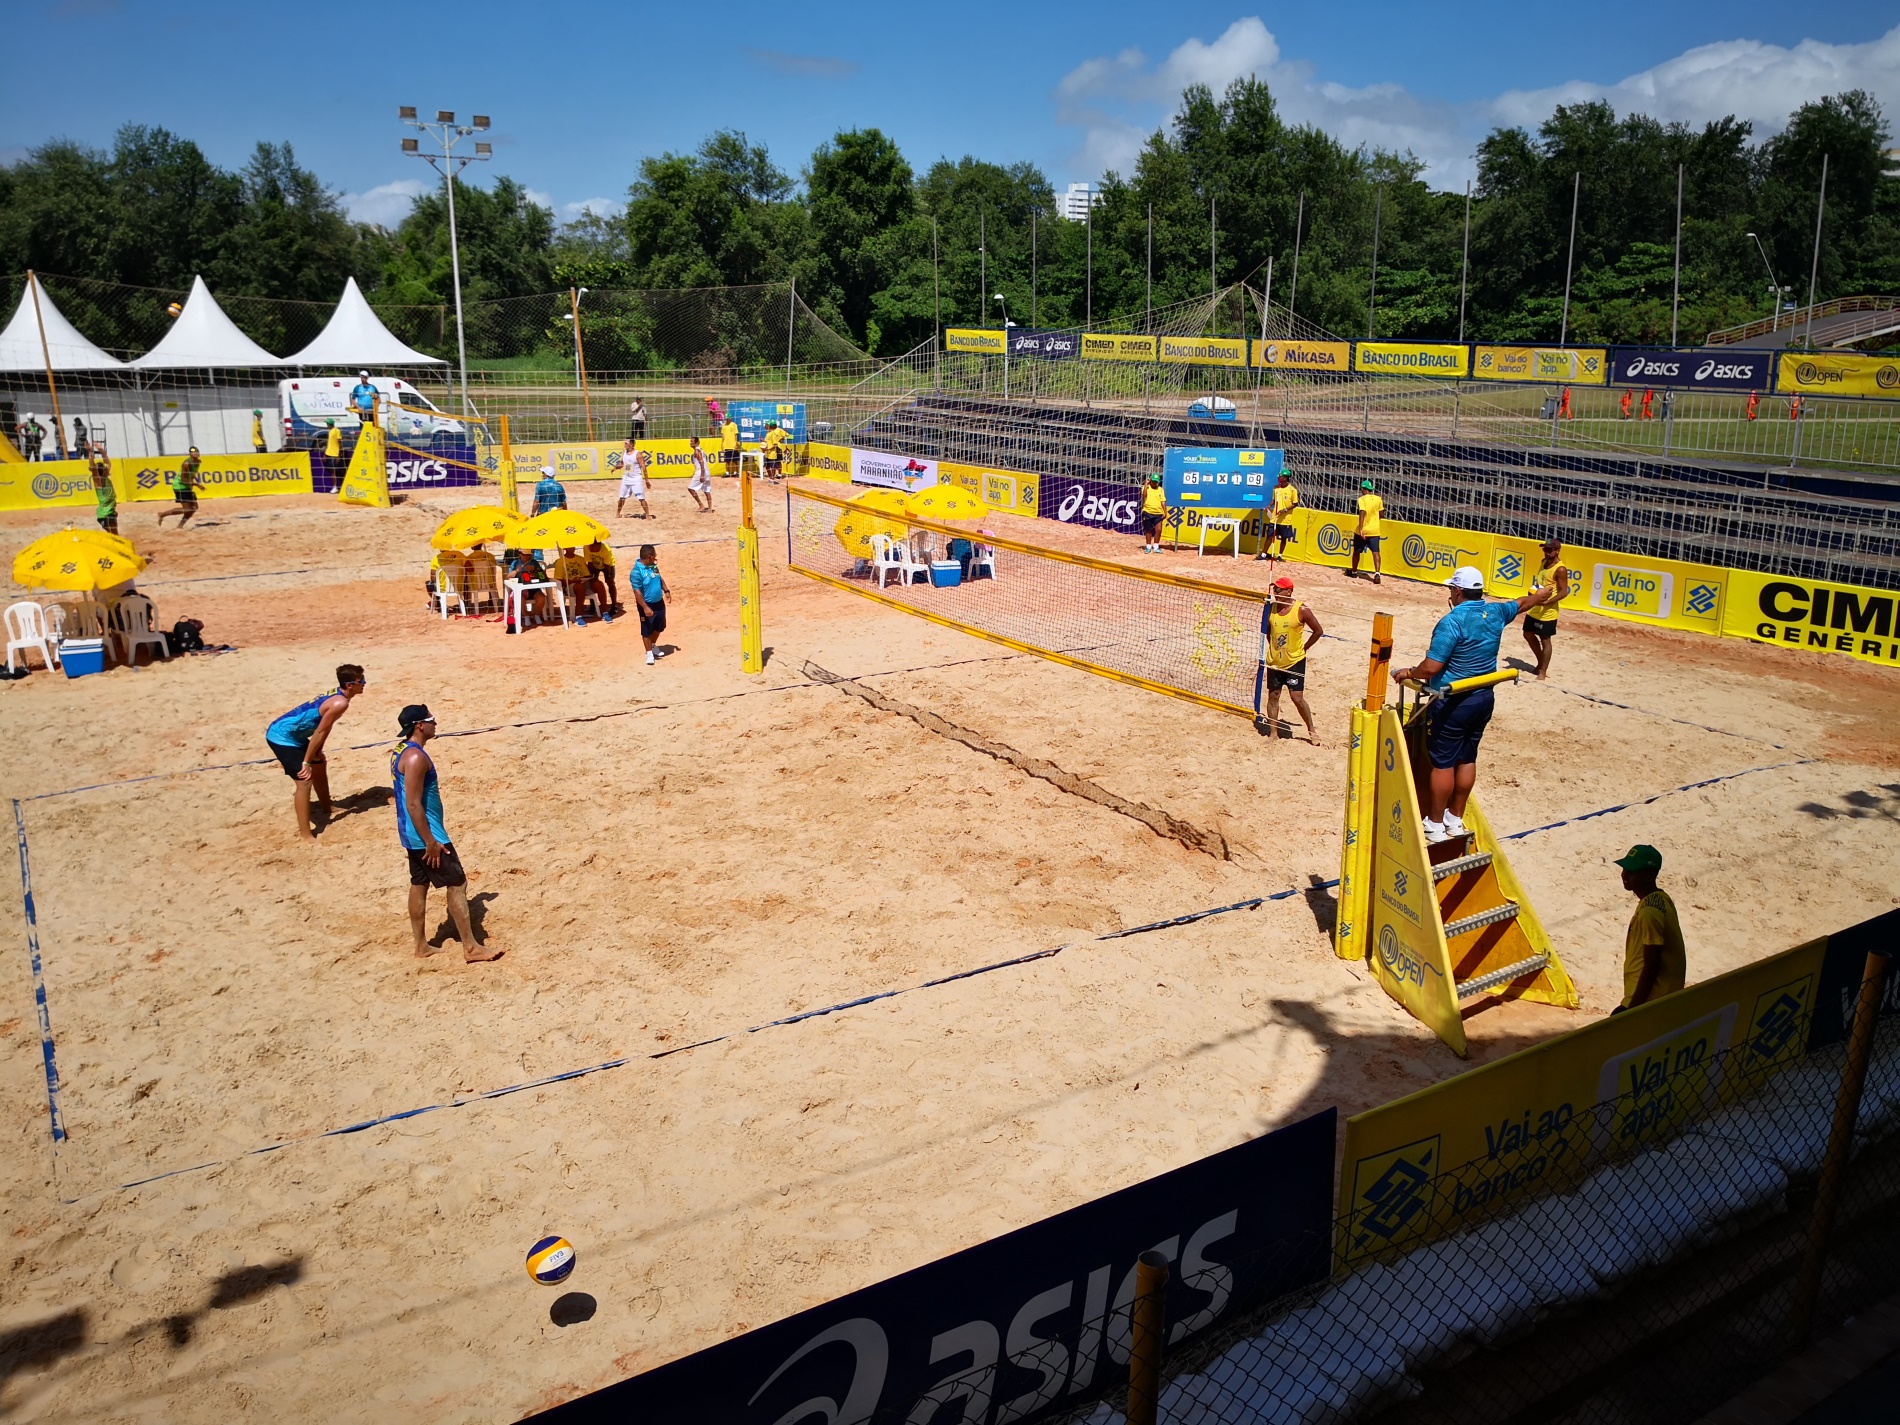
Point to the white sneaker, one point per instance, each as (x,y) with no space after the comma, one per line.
(1454,824)
(649,655)
(1435,833)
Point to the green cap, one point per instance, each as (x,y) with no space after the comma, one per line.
(1365,484)
(1154,479)
(1641,858)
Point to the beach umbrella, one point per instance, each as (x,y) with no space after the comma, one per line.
(71,562)
(558,529)
(944,502)
(118,543)
(474,526)
(866,518)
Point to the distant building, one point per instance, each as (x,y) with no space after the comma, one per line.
(1075,204)
(1893,163)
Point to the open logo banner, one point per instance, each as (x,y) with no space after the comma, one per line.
(54,484)
(1029,1325)
(1826,374)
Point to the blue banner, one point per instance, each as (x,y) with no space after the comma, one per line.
(753,415)
(1220,477)
(1034,1323)
(1050,345)
(1073,499)
(1723,368)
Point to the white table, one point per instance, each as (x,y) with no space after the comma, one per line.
(516,588)
(1231,523)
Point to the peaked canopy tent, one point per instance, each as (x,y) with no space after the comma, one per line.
(356,336)
(64,350)
(204,338)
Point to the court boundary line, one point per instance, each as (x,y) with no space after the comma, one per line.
(1189,918)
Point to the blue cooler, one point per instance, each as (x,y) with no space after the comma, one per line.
(946,573)
(80,656)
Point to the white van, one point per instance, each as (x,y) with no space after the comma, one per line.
(309,403)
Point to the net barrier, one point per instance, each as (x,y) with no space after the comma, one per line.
(1188,638)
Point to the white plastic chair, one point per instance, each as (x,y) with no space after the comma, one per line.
(481,580)
(984,558)
(893,555)
(26,630)
(132,628)
(55,615)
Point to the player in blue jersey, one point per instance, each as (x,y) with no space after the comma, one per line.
(298,736)
(419,826)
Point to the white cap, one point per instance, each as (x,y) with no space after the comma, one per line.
(363,374)
(548,470)
(1466,577)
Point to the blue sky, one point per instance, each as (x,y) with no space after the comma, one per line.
(581,92)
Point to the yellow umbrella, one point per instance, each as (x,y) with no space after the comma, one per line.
(558,529)
(857,525)
(71,562)
(118,543)
(474,526)
(945,502)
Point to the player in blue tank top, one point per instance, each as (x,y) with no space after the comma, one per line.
(419,826)
(296,738)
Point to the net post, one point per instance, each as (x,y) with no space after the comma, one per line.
(1380,662)
(1144,1352)
(510,495)
(751,624)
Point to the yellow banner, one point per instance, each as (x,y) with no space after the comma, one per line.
(601,459)
(1303,355)
(1449,1156)
(1807,613)
(1411,358)
(1204,350)
(1101,346)
(55,484)
(990,343)
(1822,374)
(1005,491)
(1564,365)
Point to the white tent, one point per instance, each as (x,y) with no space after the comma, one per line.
(20,348)
(203,336)
(356,336)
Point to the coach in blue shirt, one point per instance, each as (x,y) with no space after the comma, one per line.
(549,493)
(1465,645)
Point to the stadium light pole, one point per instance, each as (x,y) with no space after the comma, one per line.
(1088,277)
(982,267)
(1032,267)
(1774,283)
(1814,273)
(1464,269)
(447,133)
(1149,325)
(1570,258)
(1372,296)
(1675,295)
(1005,306)
(1293,293)
(936,295)
(1213,239)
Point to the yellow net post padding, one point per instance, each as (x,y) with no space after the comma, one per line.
(751,620)
(510,492)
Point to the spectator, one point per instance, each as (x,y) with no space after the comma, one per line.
(600,559)
(432,858)
(1669,406)
(637,419)
(258,444)
(549,493)
(104,494)
(184,490)
(80,443)
(715,416)
(649,596)
(578,584)
(524,568)
(1655,962)
(35,438)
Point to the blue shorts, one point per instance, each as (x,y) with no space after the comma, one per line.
(1457,727)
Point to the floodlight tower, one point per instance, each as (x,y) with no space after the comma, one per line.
(446,133)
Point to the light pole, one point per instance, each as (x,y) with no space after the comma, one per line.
(580,359)
(1006,324)
(447,133)
(1774,284)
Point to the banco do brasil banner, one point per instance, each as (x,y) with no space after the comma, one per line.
(1725,369)
(1571,366)
(1024,1327)
(1204,350)
(1825,374)
(1411,358)
(973,339)
(49,484)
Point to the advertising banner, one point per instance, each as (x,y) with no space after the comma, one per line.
(1303,355)
(1428,551)
(1555,365)
(1027,1326)
(896,472)
(597,460)
(1053,346)
(827,462)
(54,484)
(1005,491)
(1220,479)
(1721,369)
(1822,374)
(1449,1156)
(1807,613)
(1096,503)
(1660,591)
(978,339)
(1411,358)
(1101,346)
(1204,350)
(1323,538)
(753,416)
(1409,956)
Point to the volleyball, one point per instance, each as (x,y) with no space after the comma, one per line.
(551,1260)
(173,310)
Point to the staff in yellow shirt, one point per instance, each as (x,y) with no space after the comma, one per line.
(1655,962)
(772,454)
(1540,630)
(1286,500)
(1289,622)
(1154,509)
(729,445)
(1366,537)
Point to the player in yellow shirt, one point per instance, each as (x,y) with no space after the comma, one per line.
(773,453)
(1655,962)
(1154,510)
(1539,631)
(1286,500)
(1291,630)
(729,445)
(1366,537)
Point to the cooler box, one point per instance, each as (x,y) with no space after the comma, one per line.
(80,656)
(946,573)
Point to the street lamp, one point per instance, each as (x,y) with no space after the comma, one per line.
(447,133)
(1773,285)
(575,317)
(1006,326)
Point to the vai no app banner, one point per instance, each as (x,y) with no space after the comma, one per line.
(597,460)
(1822,374)
(1571,366)
(1024,1327)
(1807,613)
(1411,358)
(1008,492)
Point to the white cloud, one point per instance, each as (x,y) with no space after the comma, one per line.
(1118,100)
(599,207)
(539,199)
(385,205)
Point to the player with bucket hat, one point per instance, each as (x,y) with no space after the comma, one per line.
(1464,645)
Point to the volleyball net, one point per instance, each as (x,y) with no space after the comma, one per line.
(1188,638)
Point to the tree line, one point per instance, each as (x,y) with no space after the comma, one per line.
(883,252)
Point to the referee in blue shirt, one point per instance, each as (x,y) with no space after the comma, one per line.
(1465,645)
(549,493)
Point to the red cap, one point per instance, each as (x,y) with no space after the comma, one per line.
(1283,582)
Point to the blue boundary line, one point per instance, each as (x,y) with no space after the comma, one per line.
(39,980)
(1669,717)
